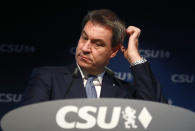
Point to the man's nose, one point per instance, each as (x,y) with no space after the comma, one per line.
(86,46)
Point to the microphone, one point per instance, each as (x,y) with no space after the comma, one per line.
(75,75)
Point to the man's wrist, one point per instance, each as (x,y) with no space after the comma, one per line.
(140,61)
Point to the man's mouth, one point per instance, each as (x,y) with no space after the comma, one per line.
(83,58)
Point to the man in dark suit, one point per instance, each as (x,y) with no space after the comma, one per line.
(101,38)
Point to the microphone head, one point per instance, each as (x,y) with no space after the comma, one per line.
(76,72)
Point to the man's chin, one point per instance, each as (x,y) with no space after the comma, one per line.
(84,65)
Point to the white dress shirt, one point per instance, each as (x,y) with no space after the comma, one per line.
(97,82)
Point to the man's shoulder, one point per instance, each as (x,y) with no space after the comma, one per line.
(123,82)
(55,69)
(119,81)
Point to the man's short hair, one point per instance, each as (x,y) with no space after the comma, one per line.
(109,19)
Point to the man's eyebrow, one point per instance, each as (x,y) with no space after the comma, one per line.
(94,40)
(98,40)
(83,32)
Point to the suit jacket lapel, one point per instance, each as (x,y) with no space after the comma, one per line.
(107,86)
(77,89)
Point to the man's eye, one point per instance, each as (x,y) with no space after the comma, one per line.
(99,44)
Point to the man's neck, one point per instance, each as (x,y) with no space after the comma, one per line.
(88,72)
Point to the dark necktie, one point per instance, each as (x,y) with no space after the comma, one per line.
(90,88)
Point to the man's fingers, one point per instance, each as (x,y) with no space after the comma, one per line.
(133,31)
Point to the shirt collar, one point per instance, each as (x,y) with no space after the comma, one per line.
(99,76)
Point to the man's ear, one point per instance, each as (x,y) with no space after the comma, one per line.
(115,50)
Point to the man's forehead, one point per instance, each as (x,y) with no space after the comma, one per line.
(97,31)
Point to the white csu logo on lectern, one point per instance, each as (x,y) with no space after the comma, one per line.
(86,113)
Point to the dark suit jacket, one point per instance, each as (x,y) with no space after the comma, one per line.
(52,83)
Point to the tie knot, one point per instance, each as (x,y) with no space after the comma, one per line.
(91,77)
